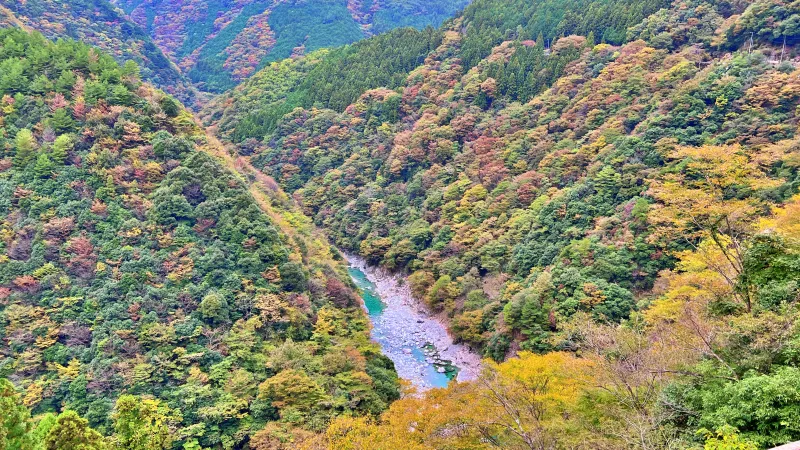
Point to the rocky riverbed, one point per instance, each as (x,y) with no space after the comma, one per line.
(422,350)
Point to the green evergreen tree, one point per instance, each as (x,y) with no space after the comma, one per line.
(41,85)
(14,419)
(12,76)
(170,107)
(607,182)
(482,100)
(590,40)
(510,85)
(95,90)
(131,69)
(25,146)
(61,148)
(108,191)
(62,121)
(65,82)
(120,95)
(44,166)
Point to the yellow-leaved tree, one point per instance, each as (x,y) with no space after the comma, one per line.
(709,195)
(530,402)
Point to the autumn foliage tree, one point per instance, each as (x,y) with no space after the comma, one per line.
(143,424)
(526,403)
(713,196)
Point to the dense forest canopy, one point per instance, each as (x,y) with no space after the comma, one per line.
(340,76)
(212,45)
(326,78)
(586,177)
(600,197)
(98,23)
(139,274)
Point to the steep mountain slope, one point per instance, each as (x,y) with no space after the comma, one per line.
(539,194)
(326,78)
(335,80)
(132,261)
(98,23)
(604,194)
(478,177)
(218,43)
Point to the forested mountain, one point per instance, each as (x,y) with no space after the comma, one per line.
(494,171)
(147,292)
(610,184)
(98,23)
(326,78)
(600,196)
(213,45)
(337,79)
(221,42)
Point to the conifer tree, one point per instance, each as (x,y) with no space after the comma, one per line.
(62,121)
(43,167)
(25,145)
(61,148)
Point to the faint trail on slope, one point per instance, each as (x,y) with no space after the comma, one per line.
(12,18)
(269,197)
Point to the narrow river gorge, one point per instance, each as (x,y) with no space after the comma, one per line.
(418,344)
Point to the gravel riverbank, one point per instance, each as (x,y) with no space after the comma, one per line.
(404,328)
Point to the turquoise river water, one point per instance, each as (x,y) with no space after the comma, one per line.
(401,333)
